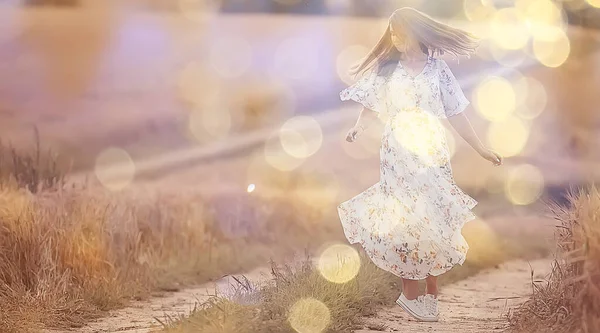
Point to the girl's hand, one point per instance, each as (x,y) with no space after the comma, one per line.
(354,133)
(491,156)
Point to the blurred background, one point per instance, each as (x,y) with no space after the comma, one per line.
(238,101)
(226,92)
(159,86)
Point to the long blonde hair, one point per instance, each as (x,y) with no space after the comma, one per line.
(434,38)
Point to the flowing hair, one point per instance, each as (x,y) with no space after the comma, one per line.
(434,38)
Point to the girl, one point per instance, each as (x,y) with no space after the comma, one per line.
(410,222)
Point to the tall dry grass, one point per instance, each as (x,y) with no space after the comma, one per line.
(569,300)
(69,254)
(36,171)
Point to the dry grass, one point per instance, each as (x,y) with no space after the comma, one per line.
(267,308)
(67,255)
(569,300)
(38,172)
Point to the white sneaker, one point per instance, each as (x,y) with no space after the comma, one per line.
(415,308)
(431,304)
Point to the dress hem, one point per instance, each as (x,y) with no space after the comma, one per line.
(412,277)
(433,272)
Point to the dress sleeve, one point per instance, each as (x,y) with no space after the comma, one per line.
(366,91)
(453,98)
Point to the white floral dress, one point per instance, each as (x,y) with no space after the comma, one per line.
(410,222)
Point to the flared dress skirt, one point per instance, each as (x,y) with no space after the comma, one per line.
(410,222)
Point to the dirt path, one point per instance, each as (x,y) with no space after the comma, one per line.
(144,316)
(476,304)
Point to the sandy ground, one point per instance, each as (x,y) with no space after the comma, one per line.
(475,305)
(147,315)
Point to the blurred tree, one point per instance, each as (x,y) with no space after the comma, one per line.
(53,2)
(300,6)
(86,35)
(367,8)
(243,6)
(585,15)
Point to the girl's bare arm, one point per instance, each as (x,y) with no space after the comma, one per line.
(463,126)
(366,118)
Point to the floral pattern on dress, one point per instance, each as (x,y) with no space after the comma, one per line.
(410,222)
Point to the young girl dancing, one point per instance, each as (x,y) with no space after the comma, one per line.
(410,222)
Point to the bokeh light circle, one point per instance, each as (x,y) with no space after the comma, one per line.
(477,10)
(594,3)
(543,17)
(524,185)
(495,98)
(420,140)
(508,58)
(309,315)
(552,53)
(339,263)
(301,136)
(509,29)
(508,137)
(277,157)
(115,169)
(484,241)
(534,100)
(520,87)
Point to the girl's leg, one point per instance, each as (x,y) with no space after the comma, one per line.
(431,283)
(410,288)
